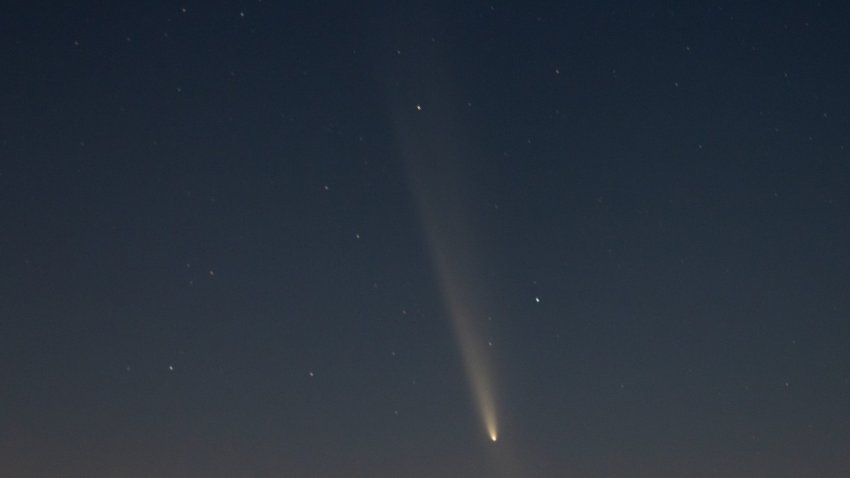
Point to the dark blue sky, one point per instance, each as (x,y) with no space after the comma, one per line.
(215,255)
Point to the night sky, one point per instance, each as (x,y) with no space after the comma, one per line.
(356,239)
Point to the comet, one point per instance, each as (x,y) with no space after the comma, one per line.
(472,345)
(434,155)
(462,293)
